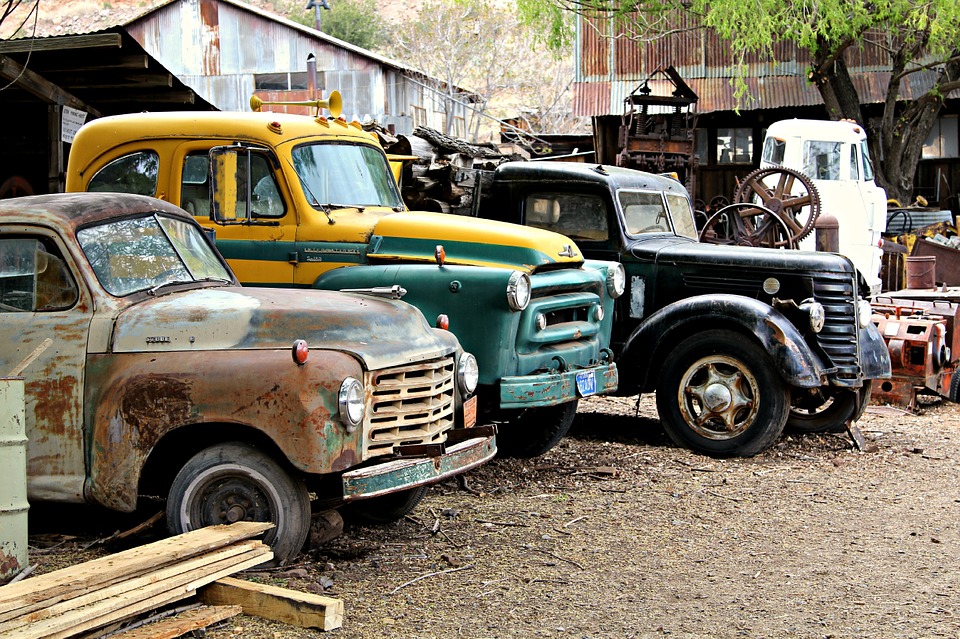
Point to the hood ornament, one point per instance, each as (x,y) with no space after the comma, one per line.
(567,251)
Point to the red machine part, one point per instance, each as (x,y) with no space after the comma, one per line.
(921,341)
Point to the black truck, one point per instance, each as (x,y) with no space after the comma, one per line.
(737,342)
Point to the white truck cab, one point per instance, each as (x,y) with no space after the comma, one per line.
(834,155)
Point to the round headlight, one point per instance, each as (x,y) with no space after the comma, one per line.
(468,373)
(616,281)
(518,291)
(815,314)
(771,286)
(864,313)
(351,403)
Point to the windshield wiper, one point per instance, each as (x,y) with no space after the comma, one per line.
(333,205)
(153,290)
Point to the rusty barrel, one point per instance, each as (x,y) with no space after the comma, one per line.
(13,479)
(921,271)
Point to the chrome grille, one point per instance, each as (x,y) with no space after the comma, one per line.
(411,404)
(838,339)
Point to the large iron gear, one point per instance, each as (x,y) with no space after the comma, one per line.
(788,194)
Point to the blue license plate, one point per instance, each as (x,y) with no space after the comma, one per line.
(587,383)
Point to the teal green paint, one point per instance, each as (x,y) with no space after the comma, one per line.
(549,389)
(473,252)
(277,251)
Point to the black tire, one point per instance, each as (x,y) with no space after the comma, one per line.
(236,482)
(535,430)
(751,401)
(386,508)
(826,410)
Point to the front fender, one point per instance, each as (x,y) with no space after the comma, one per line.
(647,347)
(874,354)
(138,399)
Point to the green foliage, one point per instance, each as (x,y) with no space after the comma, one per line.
(353,21)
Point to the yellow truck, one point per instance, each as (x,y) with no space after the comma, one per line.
(311,201)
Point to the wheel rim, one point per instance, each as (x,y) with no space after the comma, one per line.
(718,397)
(228,494)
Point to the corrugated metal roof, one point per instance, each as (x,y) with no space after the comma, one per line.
(610,65)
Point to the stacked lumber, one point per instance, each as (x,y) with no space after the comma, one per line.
(104,591)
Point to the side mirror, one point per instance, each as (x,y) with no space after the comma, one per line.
(223,184)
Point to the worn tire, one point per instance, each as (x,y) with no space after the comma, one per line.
(535,430)
(827,410)
(236,482)
(386,508)
(750,402)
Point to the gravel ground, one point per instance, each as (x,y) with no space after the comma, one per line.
(617,533)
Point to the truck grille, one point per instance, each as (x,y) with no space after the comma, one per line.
(838,339)
(412,404)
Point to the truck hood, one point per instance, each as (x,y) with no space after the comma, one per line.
(380,332)
(676,250)
(414,236)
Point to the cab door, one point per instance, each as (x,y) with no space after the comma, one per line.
(237,191)
(41,299)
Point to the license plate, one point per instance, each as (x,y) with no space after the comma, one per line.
(587,383)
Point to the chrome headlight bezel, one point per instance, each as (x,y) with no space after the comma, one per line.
(616,280)
(351,403)
(468,374)
(519,291)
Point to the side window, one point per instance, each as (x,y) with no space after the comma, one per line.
(265,200)
(773,150)
(854,167)
(867,165)
(195,185)
(132,173)
(579,217)
(34,277)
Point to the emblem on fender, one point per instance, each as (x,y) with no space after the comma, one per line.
(567,251)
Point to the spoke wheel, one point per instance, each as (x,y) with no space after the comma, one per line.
(234,482)
(789,194)
(747,224)
(720,394)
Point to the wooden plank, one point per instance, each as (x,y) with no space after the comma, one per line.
(58,43)
(180,625)
(91,575)
(128,604)
(279,604)
(40,87)
(192,567)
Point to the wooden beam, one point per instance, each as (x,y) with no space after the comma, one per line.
(97,82)
(59,43)
(163,97)
(40,87)
(279,604)
(185,622)
(124,62)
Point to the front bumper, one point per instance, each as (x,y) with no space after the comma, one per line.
(400,474)
(549,389)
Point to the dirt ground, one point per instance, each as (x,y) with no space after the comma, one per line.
(617,533)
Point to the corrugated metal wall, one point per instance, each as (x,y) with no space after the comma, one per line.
(217,48)
(610,65)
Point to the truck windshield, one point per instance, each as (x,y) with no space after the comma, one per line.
(345,174)
(148,252)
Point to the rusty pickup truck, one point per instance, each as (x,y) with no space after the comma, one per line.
(167,379)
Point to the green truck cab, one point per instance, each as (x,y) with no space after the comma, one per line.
(165,381)
(300,201)
(737,342)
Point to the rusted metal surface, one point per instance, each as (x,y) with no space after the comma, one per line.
(922,338)
(174,369)
(13,479)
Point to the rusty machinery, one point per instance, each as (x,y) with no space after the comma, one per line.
(656,132)
(773,207)
(923,341)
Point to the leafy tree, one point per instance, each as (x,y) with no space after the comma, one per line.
(913,36)
(353,21)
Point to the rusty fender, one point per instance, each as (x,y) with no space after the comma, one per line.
(651,343)
(138,400)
